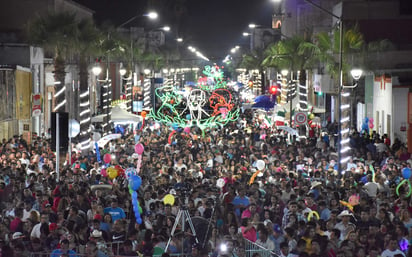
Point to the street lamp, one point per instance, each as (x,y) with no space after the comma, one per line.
(96,70)
(150,15)
(122,70)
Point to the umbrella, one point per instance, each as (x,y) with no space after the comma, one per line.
(263,102)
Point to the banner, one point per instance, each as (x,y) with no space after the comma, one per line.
(104,140)
(36,105)
(290,130)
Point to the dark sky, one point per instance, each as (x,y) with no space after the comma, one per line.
(212,26)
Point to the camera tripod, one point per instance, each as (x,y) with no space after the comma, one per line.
(182,216)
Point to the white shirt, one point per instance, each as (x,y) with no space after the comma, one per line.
(26,214)
(371,188)
(35,232)
(389,253)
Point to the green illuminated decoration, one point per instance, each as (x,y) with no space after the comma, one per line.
(214,79)
(200,106)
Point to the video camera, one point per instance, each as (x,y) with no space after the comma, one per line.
(183,188)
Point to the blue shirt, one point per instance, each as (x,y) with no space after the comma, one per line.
(240,200)
(59,252)
(116,213)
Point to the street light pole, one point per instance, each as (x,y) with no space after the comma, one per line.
(152,16)
(340,21)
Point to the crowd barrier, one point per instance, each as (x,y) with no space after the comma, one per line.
(250,249)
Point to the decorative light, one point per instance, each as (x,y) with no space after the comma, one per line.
(206,106)
(152,15)
(96,70)
(122,71)
(356,73)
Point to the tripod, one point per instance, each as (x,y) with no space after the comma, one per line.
(182,216)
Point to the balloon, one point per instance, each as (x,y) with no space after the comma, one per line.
(260,164)
(169,199)
(107,158)
(313,213)
(406,173)
(112,172)
(139,148)
(188,117)
(103,172)
(129,172)
(98,157)
(169,140)
(136,208)
(353,200)
(187,130)
(135,182)
(311,116)
(175,126)
(143,114)
(409,187)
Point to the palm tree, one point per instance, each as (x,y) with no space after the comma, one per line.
(295,54)
(111,46)
(254,60)
(328,48)
(56,33)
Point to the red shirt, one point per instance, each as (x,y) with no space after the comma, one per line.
(16,225)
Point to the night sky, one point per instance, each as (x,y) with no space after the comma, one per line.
(212,26)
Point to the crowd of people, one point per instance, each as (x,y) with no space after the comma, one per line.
(299,204)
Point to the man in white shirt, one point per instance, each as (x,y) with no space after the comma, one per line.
(371,187)
(392,249)
(264,240)
(35,232)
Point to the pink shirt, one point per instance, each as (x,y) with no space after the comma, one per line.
(250,234)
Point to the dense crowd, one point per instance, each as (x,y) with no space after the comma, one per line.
(299,204)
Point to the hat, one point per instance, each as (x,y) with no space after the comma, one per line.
(17,235)
(277,228)
(345,213)
(96,233)
(52,227)
(315,184)
(267,221)
(47,205)
(77,166)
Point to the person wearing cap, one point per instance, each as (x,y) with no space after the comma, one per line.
(96,236)
(277,237)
